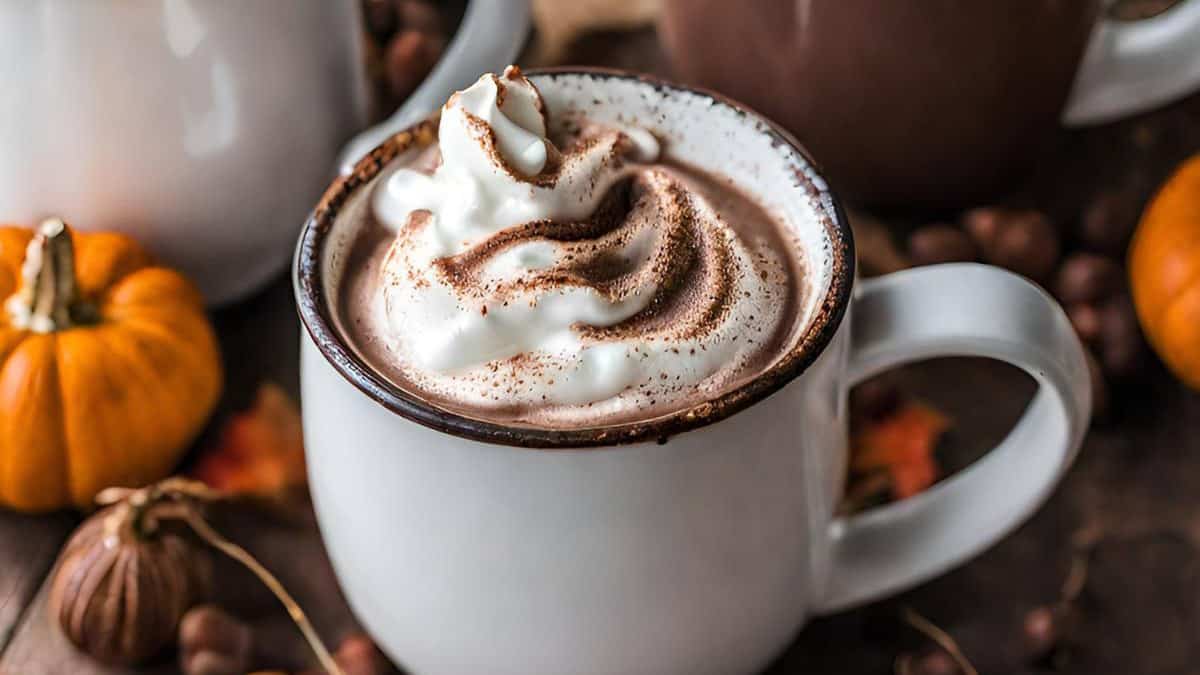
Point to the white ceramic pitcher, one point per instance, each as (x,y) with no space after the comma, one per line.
(205,129)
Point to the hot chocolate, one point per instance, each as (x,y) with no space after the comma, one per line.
(564,274)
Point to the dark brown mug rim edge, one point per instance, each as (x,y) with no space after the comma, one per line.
(315,315)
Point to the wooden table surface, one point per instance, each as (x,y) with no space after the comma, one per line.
(1137,480)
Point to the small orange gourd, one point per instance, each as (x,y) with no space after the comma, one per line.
(1164,271)
(108,366)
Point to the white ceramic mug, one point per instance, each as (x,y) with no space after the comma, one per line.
(695,543)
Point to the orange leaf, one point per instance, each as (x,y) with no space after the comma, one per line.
(260,451)
(912,478)
(901,444)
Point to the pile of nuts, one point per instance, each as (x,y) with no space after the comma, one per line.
(1089,279)
(405,38)
(213,642)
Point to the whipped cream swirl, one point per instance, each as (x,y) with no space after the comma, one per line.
(573,284)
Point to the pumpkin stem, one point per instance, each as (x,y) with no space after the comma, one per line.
(47,299)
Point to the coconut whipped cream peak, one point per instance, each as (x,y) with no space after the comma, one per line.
(498,169)
(577,282)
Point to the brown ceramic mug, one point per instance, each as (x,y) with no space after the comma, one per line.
(931,103)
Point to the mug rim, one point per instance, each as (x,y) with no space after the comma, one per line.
(316,316)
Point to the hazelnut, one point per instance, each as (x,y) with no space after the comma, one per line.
(1023,241)
(983,224)
(358,655)
(1085,318)
(1087,277)
(940,243)
(1040,632)
(410,56)
(933,662)
(420,15)
(1045,630)
(211,663)
(211,639)
(1107,223)
(1121,345)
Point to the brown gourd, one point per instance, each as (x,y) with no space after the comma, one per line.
(125,578)
(108,366)
(1164,272)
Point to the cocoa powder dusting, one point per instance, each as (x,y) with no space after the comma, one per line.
(667,230)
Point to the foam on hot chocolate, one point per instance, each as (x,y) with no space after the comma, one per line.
(568,286)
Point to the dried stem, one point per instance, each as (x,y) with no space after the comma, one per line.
(1076,578)
(47,299)
(214,539)
(1084,543)
(941,637)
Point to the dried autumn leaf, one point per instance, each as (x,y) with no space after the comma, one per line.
(901,444)
(912,478)
(260,451)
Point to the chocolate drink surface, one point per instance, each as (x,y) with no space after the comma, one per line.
(570,279)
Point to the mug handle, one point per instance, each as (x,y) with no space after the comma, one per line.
(1133,66)
(960,310)
(489,38)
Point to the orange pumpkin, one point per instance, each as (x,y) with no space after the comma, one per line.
(1164,269)
(108,366)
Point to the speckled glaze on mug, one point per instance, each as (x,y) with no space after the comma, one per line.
(699,542)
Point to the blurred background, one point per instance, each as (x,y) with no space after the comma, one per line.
(1036,135)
